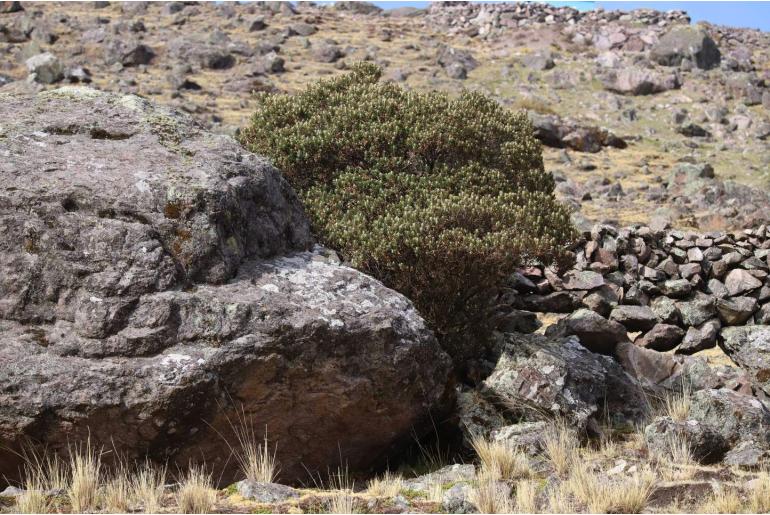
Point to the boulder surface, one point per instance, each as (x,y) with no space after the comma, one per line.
(156,281)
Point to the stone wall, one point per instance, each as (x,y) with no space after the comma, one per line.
(669,290)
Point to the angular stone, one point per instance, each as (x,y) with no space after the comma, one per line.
(666,311)
(266,492)
(749,348)
(736,417)
(634,318)
(582,280)
(677,288)
(706,445)
(563,378)
(697,311)
(634,80)
(736,310)
(740,281)
(700,338)
(594,332)
(661,337)
(686,42)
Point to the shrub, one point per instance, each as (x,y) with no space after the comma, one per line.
(440,198)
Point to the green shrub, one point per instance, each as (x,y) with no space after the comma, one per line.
(440,198)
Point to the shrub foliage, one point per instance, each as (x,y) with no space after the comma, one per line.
(440,198)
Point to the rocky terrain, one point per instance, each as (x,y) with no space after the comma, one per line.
(618,99)
(159,284)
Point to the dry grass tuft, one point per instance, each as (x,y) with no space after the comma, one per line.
(560,446)
(253,457)
(147,487)
(631,494)
(500,460)
(32,500)
(559,500)
(116,494)
(196,493)
(589,489)
(723,501)
(85,465)
(389,485)
(526,497)
(491,496)
(759,496)
(677,404)
(602,495)
(42,473)
(436,492)
(342,499)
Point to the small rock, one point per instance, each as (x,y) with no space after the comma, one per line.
(266,492)
(45,68)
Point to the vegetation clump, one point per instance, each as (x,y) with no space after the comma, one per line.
(440,198)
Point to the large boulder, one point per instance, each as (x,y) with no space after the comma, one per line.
(741,420)
(156,280)
(560,377)
(686,42)
(749,347)
(633,80)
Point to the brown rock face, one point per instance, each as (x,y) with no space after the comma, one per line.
(155,279)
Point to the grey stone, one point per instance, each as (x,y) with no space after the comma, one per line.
(266,492)
(582,280)
(562,378)
(740,281)
(594,331)
(736,310)
(666,311)
(662,337)
(706,444)
(677,288)
(634,318)
(632,80)
(686,42)
(749,348)
(45,68)
(700,338)
(696,311)
(165,273)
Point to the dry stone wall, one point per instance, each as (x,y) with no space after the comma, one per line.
(667,290)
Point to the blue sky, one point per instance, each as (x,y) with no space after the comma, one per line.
(755,15)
